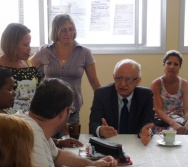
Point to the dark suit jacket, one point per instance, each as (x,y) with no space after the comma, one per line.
(105,105)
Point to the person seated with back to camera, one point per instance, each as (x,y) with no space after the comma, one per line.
(7,96)
(16,142)
(171,96)
(49,111)
(106,118)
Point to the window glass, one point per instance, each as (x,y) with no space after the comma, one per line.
(153,23)
(21,11)
(183,26)
(186,24)
(31,20)
(8,13)
(105,26)
(116,25)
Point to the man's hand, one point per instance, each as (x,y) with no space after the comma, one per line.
(146,133)
(106,161)
(107,131)
(68,143)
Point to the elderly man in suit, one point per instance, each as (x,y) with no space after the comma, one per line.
(123,107)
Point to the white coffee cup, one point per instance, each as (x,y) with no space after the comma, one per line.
(168,135)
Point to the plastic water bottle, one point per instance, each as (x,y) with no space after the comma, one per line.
(89,149)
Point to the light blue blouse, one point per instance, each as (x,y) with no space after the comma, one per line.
(71,72)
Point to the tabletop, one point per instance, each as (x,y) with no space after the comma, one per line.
(152,155)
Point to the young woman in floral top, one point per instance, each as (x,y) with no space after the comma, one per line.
(171,94)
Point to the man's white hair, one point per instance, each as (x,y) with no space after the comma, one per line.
(128,61)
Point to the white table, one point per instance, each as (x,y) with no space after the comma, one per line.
(152,155)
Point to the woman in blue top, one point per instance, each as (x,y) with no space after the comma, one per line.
(66,59)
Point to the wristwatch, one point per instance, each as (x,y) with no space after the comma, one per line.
(151,132)
(57,142)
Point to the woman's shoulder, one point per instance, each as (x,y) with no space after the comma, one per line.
(83,47)
(20,65)
(184,84)
(156,81)
(156,85)
(183,80)
(44,48)
(43,53)
(3,61)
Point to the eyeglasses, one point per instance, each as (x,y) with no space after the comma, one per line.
(71,109)
(126,79)
(67,30)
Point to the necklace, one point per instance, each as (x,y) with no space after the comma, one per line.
(63,53)
(63,62)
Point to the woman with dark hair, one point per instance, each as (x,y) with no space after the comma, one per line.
(15,44)
(7,96)
(171,96)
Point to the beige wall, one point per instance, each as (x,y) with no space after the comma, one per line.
(151,63)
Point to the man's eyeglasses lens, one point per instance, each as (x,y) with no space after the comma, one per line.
(72,109)
(126,79)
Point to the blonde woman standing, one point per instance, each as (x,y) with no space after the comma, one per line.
(66,59)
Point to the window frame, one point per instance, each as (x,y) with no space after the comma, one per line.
(113,48)
(182,47)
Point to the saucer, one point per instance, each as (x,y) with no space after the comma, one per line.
(176,143)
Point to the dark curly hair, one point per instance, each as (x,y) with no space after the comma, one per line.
(4,74)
